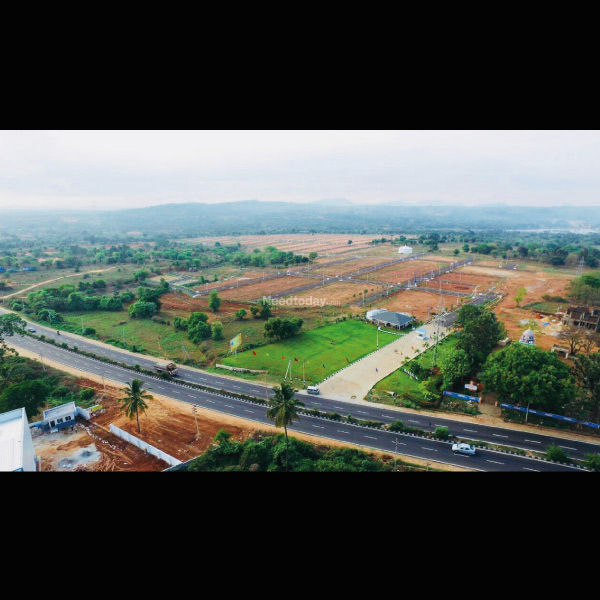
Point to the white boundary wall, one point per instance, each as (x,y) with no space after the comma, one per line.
(144,446)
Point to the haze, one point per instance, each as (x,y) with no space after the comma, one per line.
(122,169)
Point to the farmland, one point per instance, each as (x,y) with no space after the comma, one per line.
(333,346)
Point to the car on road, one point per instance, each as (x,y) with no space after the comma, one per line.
(422,336)
(463,448)
(31,330)
(313,389)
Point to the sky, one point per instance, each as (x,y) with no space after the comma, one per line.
(128,169)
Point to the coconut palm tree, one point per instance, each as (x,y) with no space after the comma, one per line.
(134,400)
(283,409)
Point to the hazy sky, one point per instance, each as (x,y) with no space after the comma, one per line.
(118,169)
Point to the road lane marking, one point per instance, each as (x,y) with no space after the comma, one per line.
(470,430)
(430,449)
(528,469)
(249,411)
(369,437)
(318,427)
(567,448)
(346,432)
(495,462)
(410,421)
(229,406)
(497,435)
(533,442)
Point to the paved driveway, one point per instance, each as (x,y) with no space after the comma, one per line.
(354,382)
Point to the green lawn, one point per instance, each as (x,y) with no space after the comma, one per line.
(313,349)
(401,383)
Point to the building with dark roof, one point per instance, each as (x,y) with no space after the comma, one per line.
(391,320)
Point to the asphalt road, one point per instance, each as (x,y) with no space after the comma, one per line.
(485,460)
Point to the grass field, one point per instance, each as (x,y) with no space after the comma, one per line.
(313,349)
(401,383)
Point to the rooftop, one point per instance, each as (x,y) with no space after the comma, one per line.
(11,439)
(59,411)
(392,317)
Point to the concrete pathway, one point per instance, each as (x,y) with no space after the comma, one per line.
(354,382)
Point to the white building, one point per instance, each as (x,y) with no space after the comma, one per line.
(405,250)
(60,416)
(16,446)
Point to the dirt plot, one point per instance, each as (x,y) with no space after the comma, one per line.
(402,271)
(350,266)
(460,276)
(182,305)
(338,293)
(492,272)
(168,424)
(416,303)
(90,448)
(537,284)
(258,290)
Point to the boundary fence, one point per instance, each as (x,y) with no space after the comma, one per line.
(170,460)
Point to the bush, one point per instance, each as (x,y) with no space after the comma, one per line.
(397,426)
(442,433)
(557,454)
(89,331)
(592,461)
(86,393)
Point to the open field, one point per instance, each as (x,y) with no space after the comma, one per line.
(264,288)
(313,349)
(350,266)
(416,303)
(537,284)
(461,277)
(402,271)
(339,293)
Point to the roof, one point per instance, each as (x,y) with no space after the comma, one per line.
(60,411)
(392,317)
(375,311)
(12,425)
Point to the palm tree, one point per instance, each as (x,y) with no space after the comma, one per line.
(283,409)
(134,400)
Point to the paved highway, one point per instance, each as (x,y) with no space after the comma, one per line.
(425,449)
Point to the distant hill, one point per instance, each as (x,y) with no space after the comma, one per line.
(334,215)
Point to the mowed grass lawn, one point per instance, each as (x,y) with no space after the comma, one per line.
(352,340)
(401,383)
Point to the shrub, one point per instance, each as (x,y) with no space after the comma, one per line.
(592,461)
(442,433)
(557,454)
(397,426)
(89,331)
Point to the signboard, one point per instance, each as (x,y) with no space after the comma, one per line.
(470,386)
(235,343)
(462,397)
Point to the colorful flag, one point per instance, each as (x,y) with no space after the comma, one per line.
(282,357)
(253,352)
(295,359)
(235,343)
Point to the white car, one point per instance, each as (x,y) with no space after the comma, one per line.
(463,448)
(31,330)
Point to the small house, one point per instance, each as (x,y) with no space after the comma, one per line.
(59,417)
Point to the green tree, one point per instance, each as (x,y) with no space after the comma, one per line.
(527,375)
(587,375)
(455,365)
(283,409)
(240,314)
(10,325)
(214,302)
(282,329)
(520,294)
(30,395)
(135,400)
(217,331)
(142,310)
(480,334)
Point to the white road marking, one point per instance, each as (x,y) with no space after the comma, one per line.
(430,449)
(318,427)
(346,432)
(497,435)
(533,442)
(369,437)
(229,406)
(412,421)
(211,401)
(470,430)
(496,463)
(249,411)
(567,448)
(528,469)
